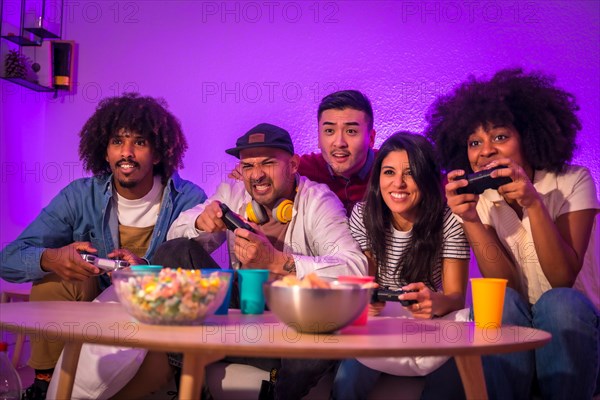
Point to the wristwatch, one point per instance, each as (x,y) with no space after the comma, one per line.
(290,266)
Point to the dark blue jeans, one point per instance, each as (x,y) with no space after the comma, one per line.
(565,368)
(355,381)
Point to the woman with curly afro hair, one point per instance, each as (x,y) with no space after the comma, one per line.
(537,229)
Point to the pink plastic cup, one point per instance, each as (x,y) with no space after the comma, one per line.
(362,318)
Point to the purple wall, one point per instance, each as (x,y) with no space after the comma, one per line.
(225,66)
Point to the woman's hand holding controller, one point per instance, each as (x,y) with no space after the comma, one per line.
(521,188)
(464,205)
(423,308)
(376,308)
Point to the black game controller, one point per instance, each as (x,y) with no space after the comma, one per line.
(392,295)
(105,264)
(233,221)
(480,181)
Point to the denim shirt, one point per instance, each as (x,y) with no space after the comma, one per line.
(83,212)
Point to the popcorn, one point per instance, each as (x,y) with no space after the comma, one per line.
(173,296)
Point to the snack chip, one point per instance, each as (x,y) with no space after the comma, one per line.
(309,281)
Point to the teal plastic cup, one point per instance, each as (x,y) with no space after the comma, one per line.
(224,307)
(252,298)
(144,267)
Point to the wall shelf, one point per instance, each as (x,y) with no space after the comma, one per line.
(22,40)
(42,33)
(30,29)
(29,85)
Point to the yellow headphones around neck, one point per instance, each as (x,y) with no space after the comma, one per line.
(282,212)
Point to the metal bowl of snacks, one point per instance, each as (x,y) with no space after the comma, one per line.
(164,296)
(312,305)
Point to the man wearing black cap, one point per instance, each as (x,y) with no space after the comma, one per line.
(299,227)
(302,221)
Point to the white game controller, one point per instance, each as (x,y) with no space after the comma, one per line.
(105,264)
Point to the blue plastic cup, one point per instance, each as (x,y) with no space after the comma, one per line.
(224,307)
(144,267)
(252,298)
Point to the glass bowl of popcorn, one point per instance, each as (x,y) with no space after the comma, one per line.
(165,296)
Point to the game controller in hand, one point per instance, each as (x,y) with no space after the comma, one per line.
(480,181)
(385,294)
(233,221)
(105,264)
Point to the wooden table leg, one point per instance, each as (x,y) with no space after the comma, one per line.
(18,348)
(68,369)
(192,374)
(471,374)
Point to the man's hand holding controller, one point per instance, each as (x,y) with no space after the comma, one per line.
(217,217)
(105,264)
(260,253)
(233,221)
(67,263)
(209,220)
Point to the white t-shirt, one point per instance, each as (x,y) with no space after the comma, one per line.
(143,212)
(574,190)
(454,245)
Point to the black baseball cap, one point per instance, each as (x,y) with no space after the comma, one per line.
(263,135)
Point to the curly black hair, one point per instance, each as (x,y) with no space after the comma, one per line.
(542,114)
(145,115)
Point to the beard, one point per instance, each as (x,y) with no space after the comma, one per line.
(128,184)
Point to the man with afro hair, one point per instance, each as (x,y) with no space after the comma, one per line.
(539,231)
(133,146)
